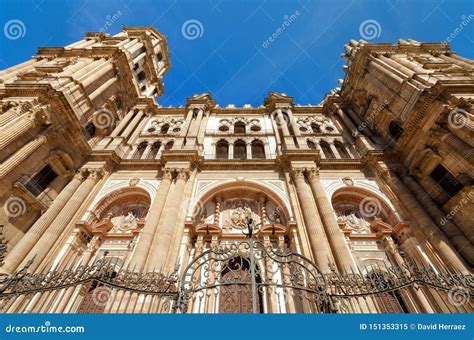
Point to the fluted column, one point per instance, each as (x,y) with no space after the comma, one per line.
(317,238)
(334,234)
(426,225)
(9,116)
(93,245)
(47,240)
(22,125)
(457,238)
(143,247)
(162,242)
(23,247)
(21,155)
(392,248)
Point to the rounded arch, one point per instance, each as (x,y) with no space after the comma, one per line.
(239,127)
(241,185)
(368,203)
(240,149)
(258,149)
(222,149)
(123,198)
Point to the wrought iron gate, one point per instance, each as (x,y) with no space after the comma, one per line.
(252,276)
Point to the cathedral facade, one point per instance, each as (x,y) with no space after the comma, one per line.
(228,201)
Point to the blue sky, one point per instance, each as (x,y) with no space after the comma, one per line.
(227,54)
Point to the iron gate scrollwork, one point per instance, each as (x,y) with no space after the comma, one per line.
(252,276)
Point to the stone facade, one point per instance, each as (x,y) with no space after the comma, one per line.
(93,166)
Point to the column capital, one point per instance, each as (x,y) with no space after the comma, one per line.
(312,173)
(80,174)
(182,173)
(298,173)
(167,174)
(96,174)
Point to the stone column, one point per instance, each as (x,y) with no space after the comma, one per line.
(334,234)
(457,238)
(392,248)
(25,123)
(317,238)
(143,247)
(427,227)
(21,155)
(231,150)
(293,123)
(249,150)
(23,247)
(282,123)
(132,125)
(184,129)
(334,150)
(318,147)
(54,230)
(162,242)
(122,124)
(217,211)
(9,116)
(93,245)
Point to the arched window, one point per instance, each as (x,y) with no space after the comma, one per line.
(395,130)
(169,145)
(164,129)
(240,150)
(258,150)
(341,149)
(327,150)
(222,150)
(239,128)
(141,75)
(311,145)
(140,150)
(315,127)
(154,150)
(223,128)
